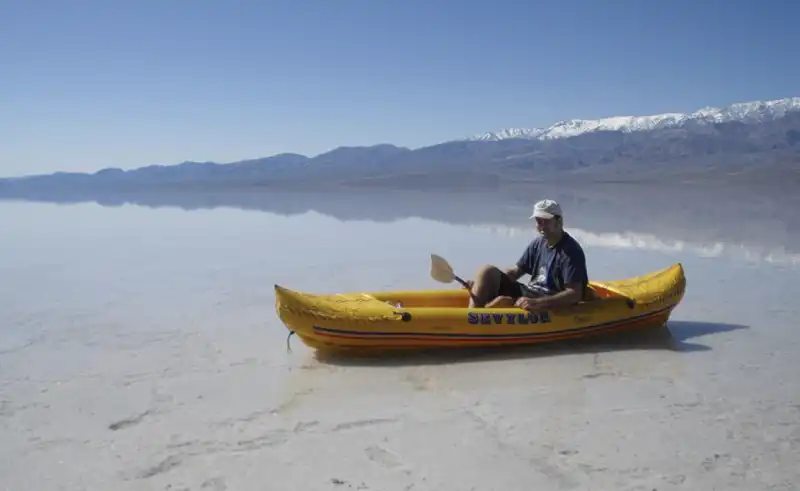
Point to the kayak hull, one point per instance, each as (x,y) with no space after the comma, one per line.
(441,318)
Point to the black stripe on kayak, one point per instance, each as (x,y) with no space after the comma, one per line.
(489,336)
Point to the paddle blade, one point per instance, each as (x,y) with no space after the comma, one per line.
(441,270)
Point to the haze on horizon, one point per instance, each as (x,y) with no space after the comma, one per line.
(95,85)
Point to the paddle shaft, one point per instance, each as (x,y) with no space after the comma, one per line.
(455,277)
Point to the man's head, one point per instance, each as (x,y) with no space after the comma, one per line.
(549,218)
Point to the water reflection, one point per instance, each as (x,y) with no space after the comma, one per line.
(703,222)
(649,242)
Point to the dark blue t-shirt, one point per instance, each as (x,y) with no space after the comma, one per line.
(551,268)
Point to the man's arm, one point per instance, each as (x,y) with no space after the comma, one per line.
(572,294)
(514,272)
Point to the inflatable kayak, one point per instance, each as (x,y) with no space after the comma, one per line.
(442,317)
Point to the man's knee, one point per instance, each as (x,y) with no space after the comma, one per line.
(486,287)
(488,272)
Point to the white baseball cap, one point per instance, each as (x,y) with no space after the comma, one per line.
(546,208)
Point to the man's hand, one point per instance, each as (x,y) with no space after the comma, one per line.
(570,296)
(527,303)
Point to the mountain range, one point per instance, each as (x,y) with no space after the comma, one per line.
(751,143)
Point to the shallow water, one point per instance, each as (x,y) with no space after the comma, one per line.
(139,349)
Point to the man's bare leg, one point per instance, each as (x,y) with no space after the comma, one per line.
(486,289)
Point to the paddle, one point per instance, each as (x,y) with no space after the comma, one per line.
(442,272)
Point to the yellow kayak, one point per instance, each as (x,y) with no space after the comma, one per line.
(441,317)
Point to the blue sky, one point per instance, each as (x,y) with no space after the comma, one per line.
(94,84)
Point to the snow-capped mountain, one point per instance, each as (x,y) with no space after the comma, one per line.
(751,140)
(745,112)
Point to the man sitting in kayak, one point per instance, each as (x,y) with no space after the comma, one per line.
(554,260)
